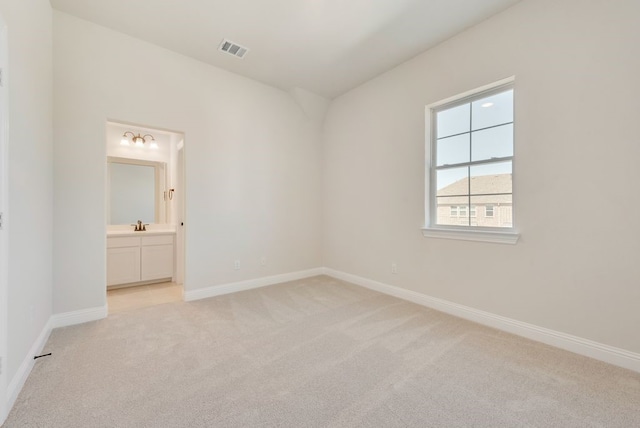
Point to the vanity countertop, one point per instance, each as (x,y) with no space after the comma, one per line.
(113,233)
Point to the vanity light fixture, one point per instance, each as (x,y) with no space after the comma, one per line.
(138,140)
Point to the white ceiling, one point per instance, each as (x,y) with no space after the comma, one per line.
(324,46)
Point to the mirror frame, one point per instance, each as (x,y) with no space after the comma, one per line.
(160,169)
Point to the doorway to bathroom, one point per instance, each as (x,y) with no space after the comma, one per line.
(145,216)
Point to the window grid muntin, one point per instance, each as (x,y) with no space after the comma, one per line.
(434,168)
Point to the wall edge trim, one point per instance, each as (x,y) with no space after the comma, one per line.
(19,379)
(578,345)
(234,287)
(79,317)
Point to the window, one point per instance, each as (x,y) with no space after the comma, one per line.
(472,153)
(454,211)
(488,211)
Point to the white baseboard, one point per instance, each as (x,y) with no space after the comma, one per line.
(55,321)
(234,287)
(78,317)
(16,384)
(578,345)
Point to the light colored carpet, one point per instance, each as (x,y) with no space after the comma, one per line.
(314,353)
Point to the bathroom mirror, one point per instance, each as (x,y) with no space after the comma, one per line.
(136,191)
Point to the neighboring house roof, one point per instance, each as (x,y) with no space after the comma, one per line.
(480,185)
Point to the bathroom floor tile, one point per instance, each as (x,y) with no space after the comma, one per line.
(142,296)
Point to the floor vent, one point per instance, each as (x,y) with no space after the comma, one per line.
(232,48)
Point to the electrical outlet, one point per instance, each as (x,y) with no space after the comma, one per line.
(236,265)
(394,267)
(263,261)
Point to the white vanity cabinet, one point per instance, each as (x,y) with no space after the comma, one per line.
(144,258)
(156,257)
(123,260)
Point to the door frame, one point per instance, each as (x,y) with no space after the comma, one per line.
(180,215)
(4,209)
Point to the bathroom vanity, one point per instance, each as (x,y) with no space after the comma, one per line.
(135,258)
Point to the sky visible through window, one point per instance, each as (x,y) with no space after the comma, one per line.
(491,120)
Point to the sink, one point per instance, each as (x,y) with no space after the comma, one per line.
(130,232)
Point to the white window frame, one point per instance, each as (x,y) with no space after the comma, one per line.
(468,233)
(453,211)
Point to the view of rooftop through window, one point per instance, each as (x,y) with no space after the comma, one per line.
(474,162)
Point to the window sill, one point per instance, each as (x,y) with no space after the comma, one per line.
(472,235)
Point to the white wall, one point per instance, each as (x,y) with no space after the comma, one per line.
(29,221)
(576,268)
(252,161)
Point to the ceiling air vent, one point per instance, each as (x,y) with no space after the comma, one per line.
(233,48)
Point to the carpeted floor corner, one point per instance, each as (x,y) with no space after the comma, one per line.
(317,352)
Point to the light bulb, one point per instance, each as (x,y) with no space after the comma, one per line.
(154,145)
(485,105)
(124,141)
(139,142)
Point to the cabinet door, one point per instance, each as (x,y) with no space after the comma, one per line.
(157,262)
(123,265)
